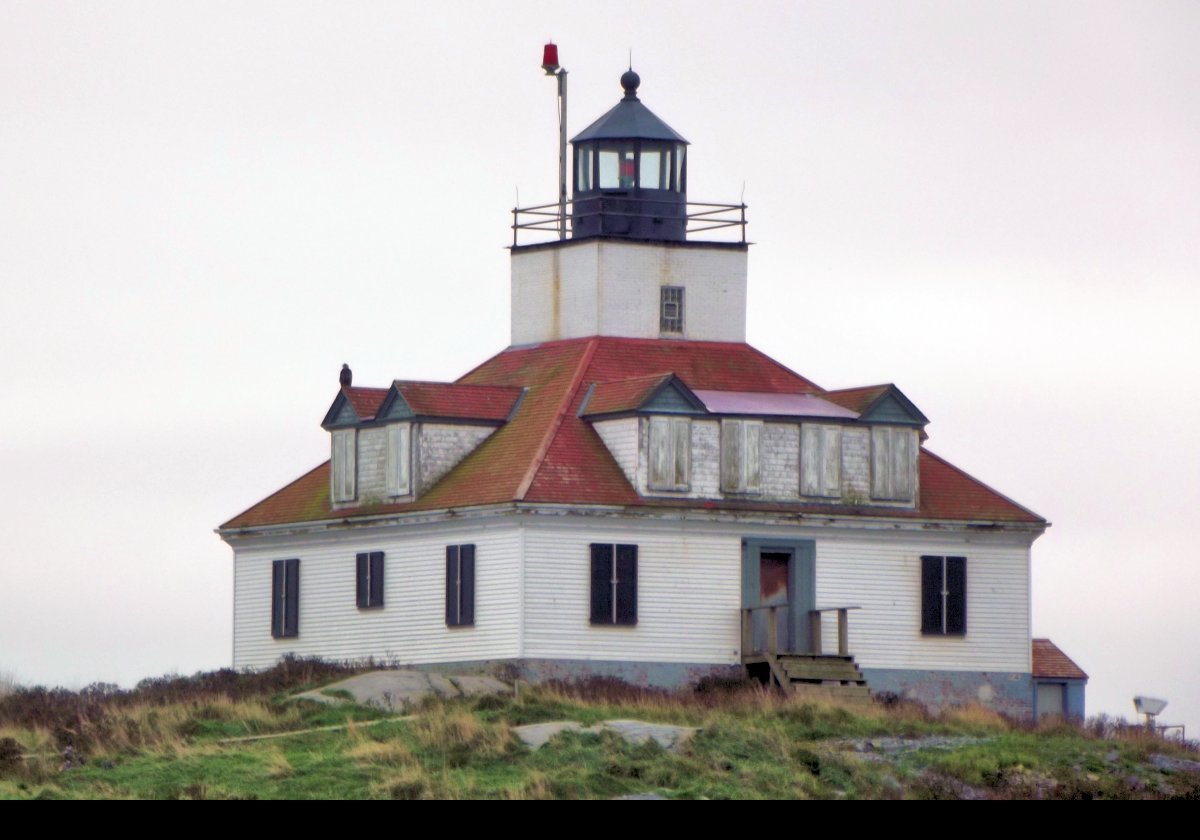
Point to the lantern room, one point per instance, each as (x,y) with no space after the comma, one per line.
(630,174)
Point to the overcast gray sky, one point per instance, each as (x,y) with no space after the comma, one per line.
(205,208)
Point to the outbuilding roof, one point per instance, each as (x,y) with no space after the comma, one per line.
(1051,663)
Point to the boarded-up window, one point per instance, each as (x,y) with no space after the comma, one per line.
(343,469)
(460,585)
(285,598)
(820,460)
(369,579)
(671,309)
(399,459)
(741,456)
(944,596)
(893,463)
(614,576)
(670,453)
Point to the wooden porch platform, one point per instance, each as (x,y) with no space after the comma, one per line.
(810,674)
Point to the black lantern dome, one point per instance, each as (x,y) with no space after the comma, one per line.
(630,174)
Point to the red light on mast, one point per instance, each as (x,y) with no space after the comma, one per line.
(550,58)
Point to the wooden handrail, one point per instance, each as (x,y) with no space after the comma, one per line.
(814,619)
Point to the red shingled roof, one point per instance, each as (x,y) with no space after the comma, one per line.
(449,399)
(624,394)
(857,400)
(365,401)
(1050,662)
(546,453)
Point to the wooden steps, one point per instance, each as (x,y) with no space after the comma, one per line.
(831,678)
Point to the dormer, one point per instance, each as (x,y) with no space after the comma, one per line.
(675,442)
(897,428)
(390,445)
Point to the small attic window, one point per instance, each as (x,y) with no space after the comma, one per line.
(671,309)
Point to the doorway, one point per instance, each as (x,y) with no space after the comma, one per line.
(780,574)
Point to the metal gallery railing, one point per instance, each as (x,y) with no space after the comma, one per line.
(594,213)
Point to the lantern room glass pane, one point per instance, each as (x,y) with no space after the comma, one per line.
(679,152)
(617,168)
(583,163)
(651,170)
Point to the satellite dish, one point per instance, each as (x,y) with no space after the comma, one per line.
(1151,706)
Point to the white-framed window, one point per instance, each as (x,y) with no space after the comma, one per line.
(820,460)
(343,464)
(670,453)
(741,456)
(399,459)
(893,463)
(670,318)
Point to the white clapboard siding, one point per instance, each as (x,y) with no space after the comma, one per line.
(689,595)
(621,438)
(689,591)
(883,576)
(411,626)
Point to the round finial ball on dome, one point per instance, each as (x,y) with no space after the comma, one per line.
(630,81)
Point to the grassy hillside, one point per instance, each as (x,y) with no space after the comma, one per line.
(171,738)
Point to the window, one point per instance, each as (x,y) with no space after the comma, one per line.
(741,470)
(460,585)
(893,463)
(285,598)
(820,460)
(614,584)
(670,453)
(369,576)
(399,459)
(944,596)
(342,469)
(670,318)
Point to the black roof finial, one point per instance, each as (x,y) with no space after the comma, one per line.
(630,81)
(346,376)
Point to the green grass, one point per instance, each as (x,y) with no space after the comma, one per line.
(752,745)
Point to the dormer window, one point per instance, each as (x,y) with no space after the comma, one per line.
(399,459)
(670,453)
(893,463)
(671,309)
(343,464)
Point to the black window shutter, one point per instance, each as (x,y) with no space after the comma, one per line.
(956,599)
(466,559)
(277,594)
(375,595)
(451,585)
(602,570)
(931,595)
(361,574)
(291,621)
(627,584)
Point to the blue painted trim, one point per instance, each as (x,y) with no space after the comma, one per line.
(892,406)
(802,584)
(341,413)
(1074,696)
